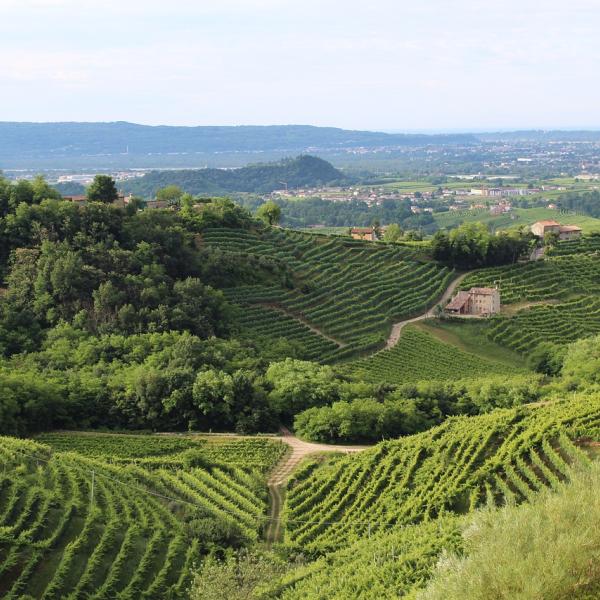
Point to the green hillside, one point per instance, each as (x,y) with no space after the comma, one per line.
(303,171)
(75,526)
(506,456)
(419,356)
(350,290)
(555,300)
(515,218)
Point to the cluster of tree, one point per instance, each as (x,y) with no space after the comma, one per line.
(583,202)
(411,409)
(471,245)
(303,171)
(354,213)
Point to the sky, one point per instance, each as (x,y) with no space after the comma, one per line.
(423,65)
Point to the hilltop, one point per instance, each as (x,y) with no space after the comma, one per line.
(261,178)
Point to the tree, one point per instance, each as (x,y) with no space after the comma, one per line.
(171,194)
(269,212)
(392,233)
(103,189)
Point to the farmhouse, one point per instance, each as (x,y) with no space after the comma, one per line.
(477,302)
(364,233)
(564,232)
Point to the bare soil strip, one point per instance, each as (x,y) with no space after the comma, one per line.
(282,472)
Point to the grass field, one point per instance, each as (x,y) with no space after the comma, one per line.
(471,336)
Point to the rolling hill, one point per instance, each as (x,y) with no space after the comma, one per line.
(303,171)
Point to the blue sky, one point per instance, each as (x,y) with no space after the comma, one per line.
(376,64)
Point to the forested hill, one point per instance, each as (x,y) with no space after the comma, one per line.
(263,178)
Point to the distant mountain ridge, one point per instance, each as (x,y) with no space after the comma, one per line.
(302,171)
(21,143)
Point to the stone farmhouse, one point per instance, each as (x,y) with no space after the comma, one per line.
(564,232)
(480,302)
(364,233)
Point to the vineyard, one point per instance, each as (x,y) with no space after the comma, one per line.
(502,457)
(383,565)
(420,356)
(349,290)
(80,527)
(552,278)
(568,279)
(588,243)
(557,323)
(147,450)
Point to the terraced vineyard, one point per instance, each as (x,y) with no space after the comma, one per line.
(78,527)
(147,450)
(587,243)
(419,356)
(570,274)
(551,278)
(558,323)
(505,456)
(348,289)
(384,565)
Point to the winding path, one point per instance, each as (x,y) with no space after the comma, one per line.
(281,473)
(398,327)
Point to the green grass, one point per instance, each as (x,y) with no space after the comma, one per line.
(549,549)
(471,336)
(420,356)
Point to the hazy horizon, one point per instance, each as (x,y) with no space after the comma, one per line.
(431,67)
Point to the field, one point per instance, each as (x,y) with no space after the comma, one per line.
(105,527)
(418,356)
(384,565)
(503,457)
(515,218)
(349,290)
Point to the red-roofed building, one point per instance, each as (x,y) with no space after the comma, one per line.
(541,228)
(477,301)
(364,233)
(564,232)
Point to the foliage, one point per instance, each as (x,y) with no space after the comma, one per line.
(260,178)
(306,212)
(412,408)
(269,212)
(548,549)
(348,289)
(236,577)
(171,194)
(582,361)
(505,456)
(137,535)
(103,189)
(297,385)
(419,355)
(472,245)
